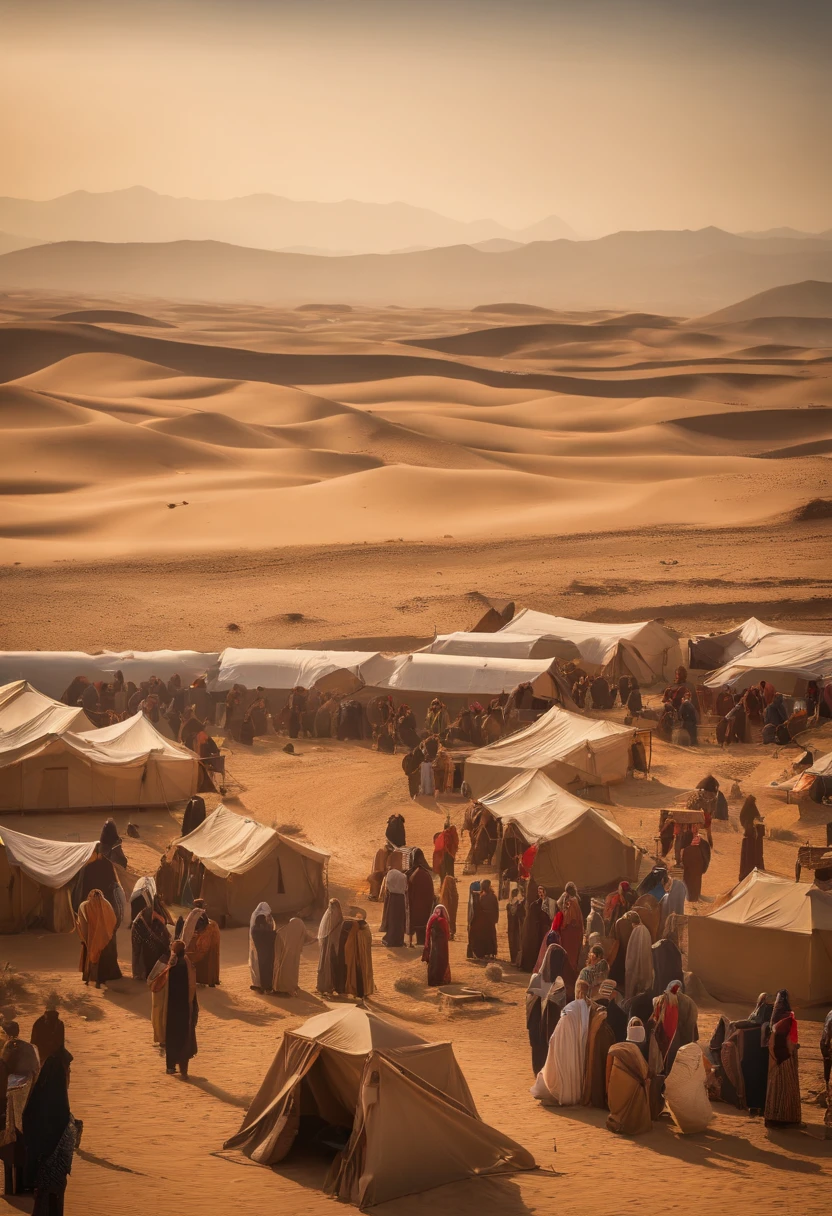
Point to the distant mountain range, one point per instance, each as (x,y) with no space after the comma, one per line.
(681,273)
(264,221)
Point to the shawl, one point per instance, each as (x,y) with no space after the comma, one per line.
(685,1091)
(440,918)
(628,1089)
(288,944)
(203,942)
(561,1080)
(359,959)
(331,920)
(552,938)
(46,1114)
(638,971)
(262,909)
(160,981)
(96,924)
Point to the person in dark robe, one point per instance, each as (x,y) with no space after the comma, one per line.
(149,938)
(436,953)
(621,932)
(109,844)
(395,831)
(395,908)
(616,1016)
(535,927)
(49,1136)
(689,718)
(182,1010)
(753,830)
(546,995)
(48,1035)
(600,693)
(734,724)
(420,895)
(407,733)
(484,913)
(194,815)
(297,708)
(412,769)
(695,861)
(617,903)
(782,1108)
(667,964)
(741,1058)
(571,928)
(261,944)
(72,695)
(635,705)
(515,916)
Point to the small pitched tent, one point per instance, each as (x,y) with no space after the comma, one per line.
(769,933)
(45,766)
(281,670)
(647,650)
(714,650)
(246,862)
(54,670)
(786,660)
(404,1102)
(567,747)
(22,706)
(36,877)
(574,842)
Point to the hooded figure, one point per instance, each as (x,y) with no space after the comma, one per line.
(560,1081)
(289,941)
(181,1010)
(685,1091)
(96,926)
(330,964)
(396,918)
(436,953)
(675,1018)
(261,943)
(546,995)
(638,967)
(49,1135)
(420,896)
(782,1107)
(628,1084)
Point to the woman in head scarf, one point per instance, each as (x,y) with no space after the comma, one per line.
(49,1135)
(676,1021)
(560,1081)
(572,926)
(181,1010)
(261,943)
(483,914)
(149,937)
(617,903)
(685,1091)
(546,995)
(356,949)
(288,943)
(436,953)
(96,926)
(330,965)
(638,963)
(782,1107)
(628,1084)
(449,898)
(535,927)
(420,896)
(695,857)
(751,849)
(741,1057)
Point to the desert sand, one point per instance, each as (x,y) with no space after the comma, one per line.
(317,475)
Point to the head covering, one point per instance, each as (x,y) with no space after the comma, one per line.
(673,987)
(635,1031)
(554,961)
(607,990)
(763,1010)
(46,1114)
(331,920)
(418,861)
(262,909)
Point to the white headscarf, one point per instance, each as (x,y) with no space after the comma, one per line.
(262,909)
(635,1031)
(331,920)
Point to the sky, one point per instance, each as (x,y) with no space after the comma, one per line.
(609,113)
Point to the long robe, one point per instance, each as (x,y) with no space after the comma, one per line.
(649,913)
(545,997)
(96,926)
(288,944)
(421,900)
(395,908)
(356,945)
(204,952)
(638,972)
(449,898)
(560,1082)
(150,941)
(48,1034)
(667,965)
(330,978)
(685,1092)
(600,1038)
(261,942)
(181,1011)
(572,931)
(436,953)
(482,929)
(694,865)
(620,934)
(782,1108)
(628,1090)
(515,916)
(535,928)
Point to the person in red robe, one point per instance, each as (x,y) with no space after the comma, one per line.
(445,849)
(436,952)
(420,896)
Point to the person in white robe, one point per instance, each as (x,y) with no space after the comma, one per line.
(560,1081)
(685,1091)
(288,945)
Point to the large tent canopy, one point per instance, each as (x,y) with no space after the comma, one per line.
(32,873)
(787,660)
(414,1122)
(465,676)
(646,649)
(715,649)
(769,933)
(341,670)
(567,747)
(247,862)
(44,766)
(575,842)
(54,670)
(22,707)
(504,645)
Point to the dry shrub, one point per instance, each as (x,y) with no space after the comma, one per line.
(12,987)
(781,834)
(408,984)
(494,973)
(289,829)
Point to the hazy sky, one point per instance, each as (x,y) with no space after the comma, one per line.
(610,113)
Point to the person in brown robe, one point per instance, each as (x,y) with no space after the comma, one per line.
(571,927)
(449,898)
(378,869)
(753,827)
(600,1038)
(617,955)
(96,925)
(696,858)
(203,949)
(628,1084)
(515,916)
(411,767)
(782,1107)
(482,926)
(535,927)
(420,895)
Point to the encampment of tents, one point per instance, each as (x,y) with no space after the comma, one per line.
(36,877)
(786,660)
(647,650)
(710,650)
(403,1102)
(574,842)
(244,862)
(769,933)
(54,670)
(47,763)
(571,749)
(458,679)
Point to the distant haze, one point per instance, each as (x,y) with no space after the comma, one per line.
(612,114)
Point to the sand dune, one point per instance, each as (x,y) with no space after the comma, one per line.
(811,298)
(257,427)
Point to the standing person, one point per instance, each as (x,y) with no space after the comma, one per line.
(427,785)
(686,1093)
(667,959)
(395,908)
(411,767)
(289,941)
(96,926)
(436,953)
(600,1038)
(515,915)
(329,942)
(546,995)
(261,944)
(149,938)
(617,1018)
(48,1034)
(571,928)
(753,827)
(595,920)
(638,963)
(675,1021)
(449,898)
(203,947)
(617,903)
(695,857)
(445,849)
(483,915)
(437,719)
(783,1107)
(628,1084)
(560,1081)
(673,901)
(826,1056)
(535,927)
(49,1136)
(689,718)
(356,948)
(597,969)
(420,895)
(181,1010)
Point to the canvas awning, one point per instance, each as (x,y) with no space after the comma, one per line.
(227,843)
(600,644)
(708,651)
(50,863)
(468,675)
(782,658)
(344,670)
(544,811)
(504,645)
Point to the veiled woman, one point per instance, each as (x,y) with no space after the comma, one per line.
(149,937)
(96,925)
(782,1107)
(743,1057)
(560,1081)
(535,927)
(261,942)
(628,1084)
(572,926)
(436,953)
(449,898)
(356,949)
(181,1010)
(685,1091)
(483,914)
(676,1022)
(420,895)
(545,997)
(330,966)
(289,941)
(49,1135)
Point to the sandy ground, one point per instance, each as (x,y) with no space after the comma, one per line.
(150,1137)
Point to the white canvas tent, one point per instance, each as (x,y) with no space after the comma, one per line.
(575,842)
(413,1122)
(458,679)
(21,705)
(35,879)
(126,765)
(504,645)
(54,670)
(708,651)
(770,933)
(647,650)
(787,660)
(281,670)
(246,863)
(569,748)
